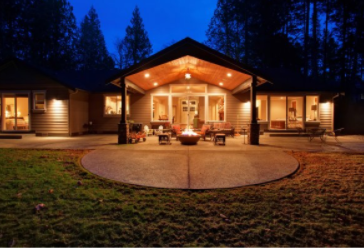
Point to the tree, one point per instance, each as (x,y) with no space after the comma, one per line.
(13,28)
(51,35)
(136,45)
(92,51)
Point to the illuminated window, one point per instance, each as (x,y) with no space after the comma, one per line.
(216,108)
(262,108)
(113,105)
(39,100)
(312,108)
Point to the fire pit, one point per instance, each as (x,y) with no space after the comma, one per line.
(189,138)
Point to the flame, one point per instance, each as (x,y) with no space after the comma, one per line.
(189,133)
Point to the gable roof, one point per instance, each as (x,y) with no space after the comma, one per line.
(188,47)
(286,80)
(40,70)
(92,81)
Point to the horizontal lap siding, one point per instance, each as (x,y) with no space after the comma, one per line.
(326,116)
(101,123)
(79,112)
(140,105)
(237,112)
(54,120)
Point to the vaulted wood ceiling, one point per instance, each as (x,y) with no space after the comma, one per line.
(200,69)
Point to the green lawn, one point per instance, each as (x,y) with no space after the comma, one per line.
(322,205)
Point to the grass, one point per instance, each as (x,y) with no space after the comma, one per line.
(321,205)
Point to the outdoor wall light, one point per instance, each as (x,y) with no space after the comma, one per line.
(229,74)
(146,75)
(155,84)
(221,83)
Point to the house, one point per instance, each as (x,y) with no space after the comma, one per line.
(187,83)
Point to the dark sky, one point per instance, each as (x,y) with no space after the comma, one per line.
(164,20)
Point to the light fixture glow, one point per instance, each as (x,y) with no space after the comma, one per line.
(155,84)
(221,83)
(146,75)
(229,74)
(188,87)
(188,75)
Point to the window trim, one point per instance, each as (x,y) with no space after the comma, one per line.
(34,92)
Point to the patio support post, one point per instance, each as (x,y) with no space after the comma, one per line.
(123,128)
(254,126)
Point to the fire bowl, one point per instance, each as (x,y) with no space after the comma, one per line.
(189,139)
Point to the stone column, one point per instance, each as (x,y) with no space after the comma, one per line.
(253,137)
(123,126)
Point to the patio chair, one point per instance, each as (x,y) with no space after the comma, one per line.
(176,130)
(204,130)
(336,133)
(317,132)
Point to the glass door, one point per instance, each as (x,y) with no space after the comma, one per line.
(295,113)
(16,109)
(278,112)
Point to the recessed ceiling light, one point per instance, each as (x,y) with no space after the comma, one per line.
(229,74)
(146,75)
(155,84)
(221,83)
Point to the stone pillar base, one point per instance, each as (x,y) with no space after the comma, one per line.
(253,135)
(123,133)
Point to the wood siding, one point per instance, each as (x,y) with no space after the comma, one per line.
(101,123)
(140,105)
(55,120)
(79,112)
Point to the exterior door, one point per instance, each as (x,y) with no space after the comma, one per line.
(15,108)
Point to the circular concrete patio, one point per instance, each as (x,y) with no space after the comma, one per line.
(190,169)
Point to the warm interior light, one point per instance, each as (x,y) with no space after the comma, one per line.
(221,83)
(6,113)
(281,98)
(188,76)
(155,84)
(146,75)
(229,74)
(188,87)
(19,113)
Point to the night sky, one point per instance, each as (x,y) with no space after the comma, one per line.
(164,20)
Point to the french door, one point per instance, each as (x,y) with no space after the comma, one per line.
(15,112)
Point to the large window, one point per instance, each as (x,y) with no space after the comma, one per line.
(278,112)
(160,108)
(262,108)
(295,112)
(113,105)
(216,108)
(312,108)
(16,112)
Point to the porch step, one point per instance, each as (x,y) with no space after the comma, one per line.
(288,135)
(10,136)
(280,131)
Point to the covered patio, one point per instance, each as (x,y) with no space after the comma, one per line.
(190,81)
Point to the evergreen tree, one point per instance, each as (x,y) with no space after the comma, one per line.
(52,34)
(13,28)
(92,51)
(136,45)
